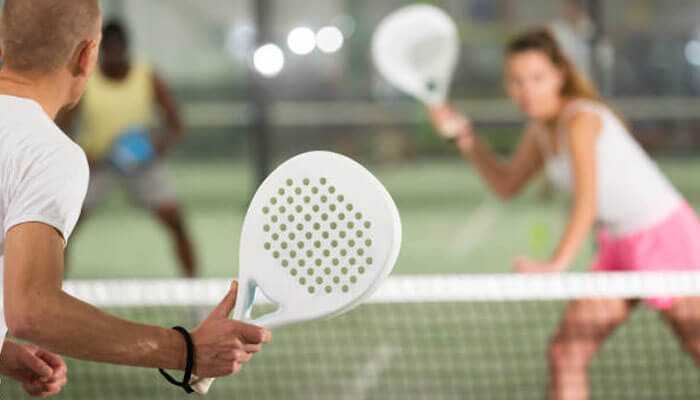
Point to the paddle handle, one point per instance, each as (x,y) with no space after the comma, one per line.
(246,298)
(201,385)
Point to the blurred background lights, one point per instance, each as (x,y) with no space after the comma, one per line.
(330,39)
(269,60)
(692,52)
(301,40)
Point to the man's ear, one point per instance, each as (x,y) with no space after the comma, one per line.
(84,58)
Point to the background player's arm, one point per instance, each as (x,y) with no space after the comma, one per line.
(39,311)
(505,178)
(584,131)
(175,128)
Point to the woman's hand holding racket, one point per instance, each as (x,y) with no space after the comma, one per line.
(453,126)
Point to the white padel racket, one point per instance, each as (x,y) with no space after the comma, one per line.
(416,49)
(320,236)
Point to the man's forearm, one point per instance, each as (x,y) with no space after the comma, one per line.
(9,348)
(68,326)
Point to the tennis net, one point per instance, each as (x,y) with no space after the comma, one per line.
(419,337)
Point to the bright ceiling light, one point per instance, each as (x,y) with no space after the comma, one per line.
(330,39)
(692,53)
(301,40)
(269,60)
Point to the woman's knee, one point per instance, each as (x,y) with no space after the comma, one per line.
(568,354)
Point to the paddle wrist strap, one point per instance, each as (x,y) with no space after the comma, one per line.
(189,364)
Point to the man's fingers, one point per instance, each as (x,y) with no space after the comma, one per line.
(231,343)
(224,344)
(54,361)
(37,365)
(252,348)
(251,334)
(223,310)
(236,368)
(32,389)
(38,390)
(239,356)
(53,388)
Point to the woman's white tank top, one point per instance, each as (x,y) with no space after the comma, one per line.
(633,194)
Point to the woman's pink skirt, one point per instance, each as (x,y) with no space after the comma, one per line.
(671,245)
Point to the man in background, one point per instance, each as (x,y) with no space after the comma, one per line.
(117,119)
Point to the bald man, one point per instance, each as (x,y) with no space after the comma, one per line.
(50,48)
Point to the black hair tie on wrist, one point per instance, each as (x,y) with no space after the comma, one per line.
(189,365)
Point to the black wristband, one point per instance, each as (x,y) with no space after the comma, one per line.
(189,364)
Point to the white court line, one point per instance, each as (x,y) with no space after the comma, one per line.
(477,229)
(368,375)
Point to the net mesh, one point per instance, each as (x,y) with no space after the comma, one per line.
(430,337)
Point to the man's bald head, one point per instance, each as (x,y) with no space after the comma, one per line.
(41,36)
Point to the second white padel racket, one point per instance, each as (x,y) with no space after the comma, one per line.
(416,49)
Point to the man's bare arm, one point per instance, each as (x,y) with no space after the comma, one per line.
(37,310)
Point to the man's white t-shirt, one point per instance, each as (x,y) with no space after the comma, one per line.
(43,174)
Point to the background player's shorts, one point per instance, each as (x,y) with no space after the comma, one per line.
(150,187)
(671,245)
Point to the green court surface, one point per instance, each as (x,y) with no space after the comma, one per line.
(451,224)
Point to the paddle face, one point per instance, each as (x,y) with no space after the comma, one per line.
(320,236)
(416,49)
